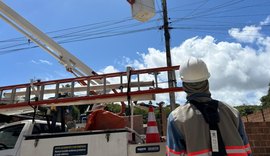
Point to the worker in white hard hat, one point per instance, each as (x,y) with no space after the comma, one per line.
(204,126)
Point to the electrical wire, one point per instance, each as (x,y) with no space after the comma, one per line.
(198,18)
(216,10)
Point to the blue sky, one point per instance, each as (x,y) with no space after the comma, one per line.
(231,36)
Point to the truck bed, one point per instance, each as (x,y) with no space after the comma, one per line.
(95,143)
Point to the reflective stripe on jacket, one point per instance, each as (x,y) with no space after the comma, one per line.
(188,133)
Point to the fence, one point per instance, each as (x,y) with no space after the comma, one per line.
(259,137)
(258,130)
(259,116)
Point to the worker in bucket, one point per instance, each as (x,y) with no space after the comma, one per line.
(204,126)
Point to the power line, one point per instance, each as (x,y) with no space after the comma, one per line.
(199,15)
(219,9)
(85,32)
(81,38)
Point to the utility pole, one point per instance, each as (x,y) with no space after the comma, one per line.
(171,74)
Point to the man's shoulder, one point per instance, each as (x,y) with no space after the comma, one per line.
(226,107)
(181,108)
(182,111)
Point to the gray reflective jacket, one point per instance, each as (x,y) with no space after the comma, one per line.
(188,133)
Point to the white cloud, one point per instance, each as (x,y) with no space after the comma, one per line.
(236,71)
(248,34)
(239,74)
(33,61)
(266,21)
(40,61)
(154,58)
(45,62)
(109,69)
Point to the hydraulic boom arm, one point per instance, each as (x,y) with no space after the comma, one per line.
(71,63)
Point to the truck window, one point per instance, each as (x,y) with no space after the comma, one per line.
(43,128)
(9,136)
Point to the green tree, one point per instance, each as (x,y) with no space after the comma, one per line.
(247,109)
(140,111)
(265,100)
(115,108)
(75,112)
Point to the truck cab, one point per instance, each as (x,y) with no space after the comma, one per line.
(11,135)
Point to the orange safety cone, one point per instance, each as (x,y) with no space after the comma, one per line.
(152,135)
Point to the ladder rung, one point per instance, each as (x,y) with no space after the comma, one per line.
(82,91)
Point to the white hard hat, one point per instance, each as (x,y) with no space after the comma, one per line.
(194,70)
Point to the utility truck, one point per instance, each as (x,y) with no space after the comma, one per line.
(28,138)
(35,137)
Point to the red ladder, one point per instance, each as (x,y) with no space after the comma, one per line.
(66,92)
